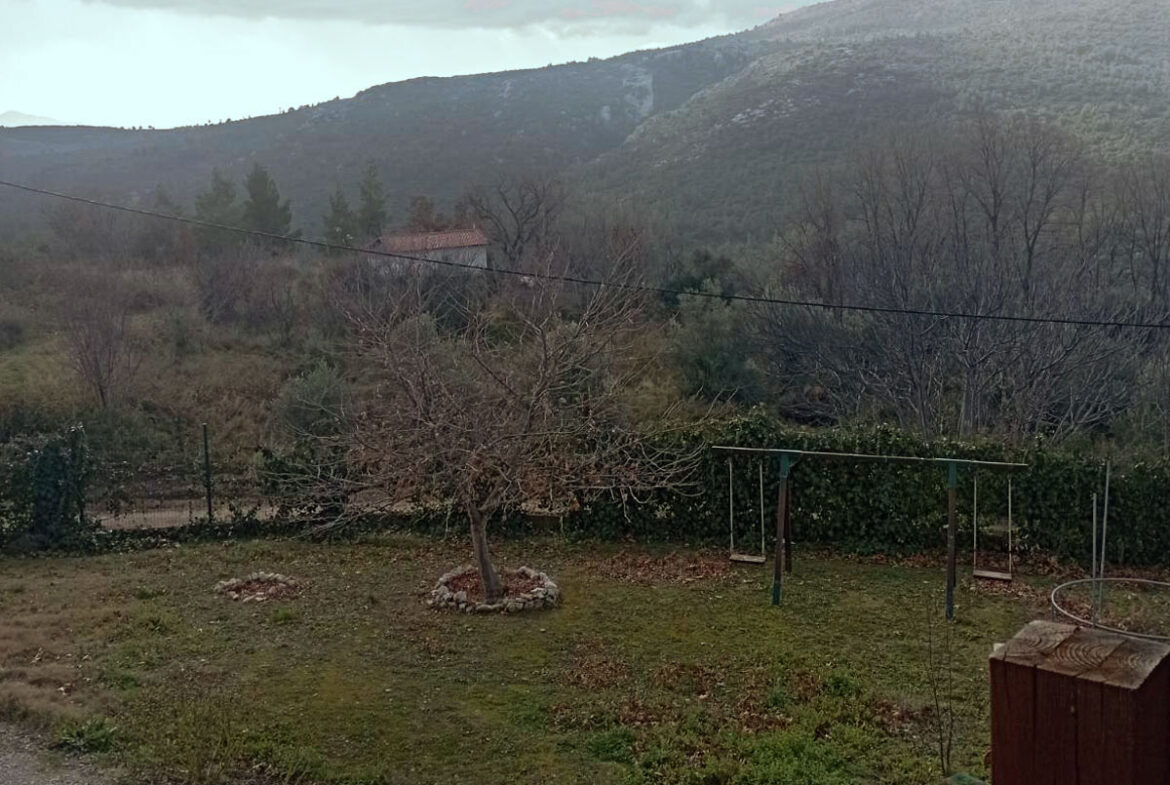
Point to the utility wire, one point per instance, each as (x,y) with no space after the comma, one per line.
(744,298)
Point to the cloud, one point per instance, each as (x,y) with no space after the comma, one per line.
(558,15)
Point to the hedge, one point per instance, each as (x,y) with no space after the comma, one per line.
(882,507)
(873,507)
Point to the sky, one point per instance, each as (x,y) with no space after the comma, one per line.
(164,63)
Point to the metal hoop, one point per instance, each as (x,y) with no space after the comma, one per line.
(1088,623)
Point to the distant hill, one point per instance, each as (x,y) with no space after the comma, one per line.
(12,119)
(712,135)
(429,136)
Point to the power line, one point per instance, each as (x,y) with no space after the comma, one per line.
(744,298)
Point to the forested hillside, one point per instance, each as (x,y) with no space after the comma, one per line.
(427,136)
(845,76)
(712,136)
(997,158)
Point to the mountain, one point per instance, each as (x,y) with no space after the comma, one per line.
(13,119)
(429,136)
(843,75)
(713,136)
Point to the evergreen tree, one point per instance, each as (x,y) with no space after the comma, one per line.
(217,205)
(264,211)
(425,217)
(371,217)
(341,223)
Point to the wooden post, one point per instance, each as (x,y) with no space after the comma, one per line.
(952,491)
(781,529)
(788,531)
(207,474)
(1078,705)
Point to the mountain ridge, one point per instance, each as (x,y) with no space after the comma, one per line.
(710,136)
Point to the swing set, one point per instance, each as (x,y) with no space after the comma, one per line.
(786,459)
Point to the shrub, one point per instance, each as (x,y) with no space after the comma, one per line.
(43,482)
(91,736)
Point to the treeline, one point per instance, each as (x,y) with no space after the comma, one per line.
(1006,219)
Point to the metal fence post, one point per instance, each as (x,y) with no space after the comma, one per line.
(207,474)
(952,491)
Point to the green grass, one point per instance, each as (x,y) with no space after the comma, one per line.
(356,681)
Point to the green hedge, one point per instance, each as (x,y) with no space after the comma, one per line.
(864,506)
(881,507)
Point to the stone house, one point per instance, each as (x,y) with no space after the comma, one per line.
(459,246)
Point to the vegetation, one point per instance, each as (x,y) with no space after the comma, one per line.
(714,137)
(662,668)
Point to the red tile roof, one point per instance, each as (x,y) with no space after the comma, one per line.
(432,241)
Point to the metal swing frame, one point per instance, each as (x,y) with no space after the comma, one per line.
(744,558)
(787,458)
(991,575)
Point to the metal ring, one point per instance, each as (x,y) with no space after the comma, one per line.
(1086,623)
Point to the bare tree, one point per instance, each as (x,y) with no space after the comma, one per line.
(96,322)
(1006,221)
(519,214)
(522,400)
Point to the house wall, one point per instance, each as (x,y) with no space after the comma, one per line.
(473,257)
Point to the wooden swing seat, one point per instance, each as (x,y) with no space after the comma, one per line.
(747,558)
(993,575)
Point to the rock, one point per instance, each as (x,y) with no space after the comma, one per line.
(461,597)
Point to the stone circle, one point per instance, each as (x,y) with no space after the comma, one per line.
(545,595)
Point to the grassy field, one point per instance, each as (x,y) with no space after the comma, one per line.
(658,668)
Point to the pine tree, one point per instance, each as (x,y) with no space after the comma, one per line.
(217,205)
(263,210)
(425,217)
(371,217)
(341,223)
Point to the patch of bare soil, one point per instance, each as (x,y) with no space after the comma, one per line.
(646,570)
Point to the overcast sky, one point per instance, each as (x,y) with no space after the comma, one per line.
(176,62)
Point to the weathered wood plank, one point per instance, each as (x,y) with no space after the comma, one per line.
(1056,728)
(1035,642)
(1153,715)
(1012,723)
(1092,734)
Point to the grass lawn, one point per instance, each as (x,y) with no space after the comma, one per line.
(656,669)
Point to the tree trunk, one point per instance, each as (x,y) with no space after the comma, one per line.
(492,588)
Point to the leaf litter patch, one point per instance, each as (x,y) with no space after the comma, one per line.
(259,587)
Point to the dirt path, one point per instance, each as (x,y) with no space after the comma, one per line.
(23,762)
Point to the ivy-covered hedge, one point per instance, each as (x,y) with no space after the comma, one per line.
(882,507)
(874,507)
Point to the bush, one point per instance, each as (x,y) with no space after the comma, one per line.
(43,482)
